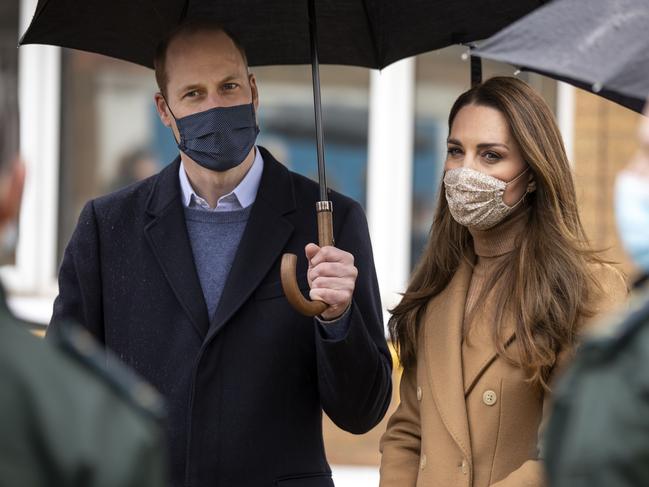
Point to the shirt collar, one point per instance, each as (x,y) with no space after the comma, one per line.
(240,197)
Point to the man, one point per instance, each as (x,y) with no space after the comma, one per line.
(599,432)
(179,276)
(65,420)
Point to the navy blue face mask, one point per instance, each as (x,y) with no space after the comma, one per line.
(219,138)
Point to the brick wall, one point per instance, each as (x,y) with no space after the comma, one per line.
(604,141)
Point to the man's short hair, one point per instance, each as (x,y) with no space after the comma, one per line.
(188,28)
(9,122)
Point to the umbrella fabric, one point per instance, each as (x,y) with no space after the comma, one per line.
(598,45)
(368,33)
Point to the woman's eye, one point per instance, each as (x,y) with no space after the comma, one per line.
(492,156)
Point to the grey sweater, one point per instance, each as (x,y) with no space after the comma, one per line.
(214,237)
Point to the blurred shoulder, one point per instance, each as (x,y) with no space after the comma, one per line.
(608,275)
(79,350)
(613,284)
(623,329)
(610,294)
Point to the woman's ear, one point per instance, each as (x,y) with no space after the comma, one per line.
(531,182)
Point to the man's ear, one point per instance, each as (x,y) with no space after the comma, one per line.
(253,89)
(162,109)
(11,191)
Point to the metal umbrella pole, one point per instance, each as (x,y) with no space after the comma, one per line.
(324,207)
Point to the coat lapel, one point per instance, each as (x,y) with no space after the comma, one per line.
(167,235)
(263,240)
(483,352)
(443,342)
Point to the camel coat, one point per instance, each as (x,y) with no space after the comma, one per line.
(476,427)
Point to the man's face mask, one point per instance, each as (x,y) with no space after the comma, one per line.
(475,199)
(219,138)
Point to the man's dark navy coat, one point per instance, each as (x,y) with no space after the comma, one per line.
(245,389)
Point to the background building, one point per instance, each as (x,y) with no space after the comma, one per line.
(89,126)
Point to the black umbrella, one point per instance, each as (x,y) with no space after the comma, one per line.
(598,45)
(367,33)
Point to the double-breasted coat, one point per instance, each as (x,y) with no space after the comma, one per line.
(472,422)
(246,387)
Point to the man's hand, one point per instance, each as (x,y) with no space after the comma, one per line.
(332,278)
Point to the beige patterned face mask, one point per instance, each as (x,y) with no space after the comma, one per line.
(475,199)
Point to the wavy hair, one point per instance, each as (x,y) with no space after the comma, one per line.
(550,274)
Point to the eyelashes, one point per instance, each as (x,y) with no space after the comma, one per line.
(489,156)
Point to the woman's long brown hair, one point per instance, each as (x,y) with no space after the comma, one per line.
(550,275)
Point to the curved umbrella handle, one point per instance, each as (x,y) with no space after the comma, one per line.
(289,265)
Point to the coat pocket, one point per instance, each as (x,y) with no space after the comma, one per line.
(307,480)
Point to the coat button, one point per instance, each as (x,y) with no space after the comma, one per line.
(464,466)
(489,397)
(422,462)
(419,393)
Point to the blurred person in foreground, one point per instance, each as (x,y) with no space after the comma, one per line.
(497,301)
(179,275)
(66,419)
(598,435)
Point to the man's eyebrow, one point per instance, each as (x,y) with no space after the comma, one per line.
(453,141)
(232,77)
(190,87)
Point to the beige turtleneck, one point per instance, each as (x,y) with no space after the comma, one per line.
(491,247)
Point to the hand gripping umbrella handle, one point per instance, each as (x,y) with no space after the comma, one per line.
(289,264)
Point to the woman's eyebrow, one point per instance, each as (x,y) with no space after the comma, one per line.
(492,144)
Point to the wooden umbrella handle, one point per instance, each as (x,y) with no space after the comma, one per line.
(289,265)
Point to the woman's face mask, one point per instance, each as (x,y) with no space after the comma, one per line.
(475,199)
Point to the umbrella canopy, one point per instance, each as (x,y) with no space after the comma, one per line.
(367,33)
(598,45)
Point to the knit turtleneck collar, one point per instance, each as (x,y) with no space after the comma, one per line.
(502,238)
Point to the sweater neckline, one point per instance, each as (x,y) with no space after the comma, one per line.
(501,239)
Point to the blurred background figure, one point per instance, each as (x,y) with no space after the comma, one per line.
(599,431)
(66,419)
(632,204)
(135,165)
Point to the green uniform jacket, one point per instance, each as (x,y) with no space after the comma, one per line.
(598,435)
(67,421)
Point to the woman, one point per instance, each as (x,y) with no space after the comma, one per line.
(496,301)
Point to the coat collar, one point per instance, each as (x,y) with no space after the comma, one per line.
(263,240)
(261,245)
(443,355)
(167,235)
(481,352)
(443,328)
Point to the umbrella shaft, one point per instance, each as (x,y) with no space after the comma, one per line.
(315,74)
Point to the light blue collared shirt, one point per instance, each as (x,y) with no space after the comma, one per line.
(240,197)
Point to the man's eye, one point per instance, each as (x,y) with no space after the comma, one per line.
(453,151)
(191,94)
(230,86)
